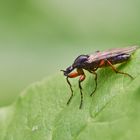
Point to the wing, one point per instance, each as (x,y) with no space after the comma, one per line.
(111,53)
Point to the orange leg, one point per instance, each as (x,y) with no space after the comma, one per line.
(73,74)
(113,68)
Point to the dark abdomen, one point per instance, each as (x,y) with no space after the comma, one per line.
(103,63)
(119,59)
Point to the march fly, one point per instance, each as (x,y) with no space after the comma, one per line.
(91,62)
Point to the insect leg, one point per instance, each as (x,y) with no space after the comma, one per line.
(95,83)
(70,89)
(82,77)
(71,75)
(117,71)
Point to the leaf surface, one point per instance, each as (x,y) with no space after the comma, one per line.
(41,113)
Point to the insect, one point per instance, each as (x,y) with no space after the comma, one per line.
(92,62)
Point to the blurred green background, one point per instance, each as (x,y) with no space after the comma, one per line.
(40,37)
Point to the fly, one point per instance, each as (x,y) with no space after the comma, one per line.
(91,62)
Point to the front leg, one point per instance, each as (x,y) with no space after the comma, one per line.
(73,75)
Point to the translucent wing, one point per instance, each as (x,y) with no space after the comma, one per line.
(111,53)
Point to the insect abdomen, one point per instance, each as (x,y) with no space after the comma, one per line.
(120,58)
(103,62)
(114,60)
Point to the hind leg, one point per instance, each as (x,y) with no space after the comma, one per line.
(117,71)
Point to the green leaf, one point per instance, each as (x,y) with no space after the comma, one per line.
(112,113)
